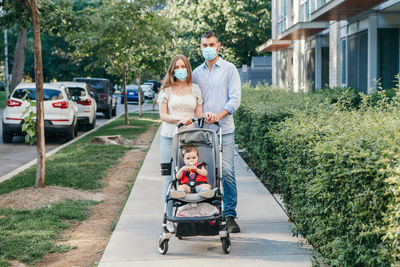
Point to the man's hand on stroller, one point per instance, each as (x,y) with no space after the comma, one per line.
(210,117)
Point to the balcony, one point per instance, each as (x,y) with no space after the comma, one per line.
(341,9)
(273,45)
(302,30)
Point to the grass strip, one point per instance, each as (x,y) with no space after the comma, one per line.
(27,235)
(81,165)
(3,100)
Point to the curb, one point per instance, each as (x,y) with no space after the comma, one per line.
(51,152)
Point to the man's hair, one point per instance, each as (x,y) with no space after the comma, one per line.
(209,34)
(189,149)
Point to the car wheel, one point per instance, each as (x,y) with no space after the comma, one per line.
(7,136)
(91,126)
(71,133)
(107,114)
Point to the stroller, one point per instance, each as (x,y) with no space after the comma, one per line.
(210,151)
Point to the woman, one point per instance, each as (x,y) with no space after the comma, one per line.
(179,101)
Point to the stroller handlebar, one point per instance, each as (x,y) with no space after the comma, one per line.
(200,122)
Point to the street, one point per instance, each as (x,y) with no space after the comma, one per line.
(18,153)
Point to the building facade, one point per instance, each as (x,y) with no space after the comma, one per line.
(318,43)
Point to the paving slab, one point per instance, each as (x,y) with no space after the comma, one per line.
(265,238)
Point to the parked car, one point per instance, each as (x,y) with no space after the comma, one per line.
(60,112)
(85,102)
(148,92)
(132,94)
(105,99)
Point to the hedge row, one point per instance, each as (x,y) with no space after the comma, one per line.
(336,166)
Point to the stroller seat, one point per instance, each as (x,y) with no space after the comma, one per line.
(195,197)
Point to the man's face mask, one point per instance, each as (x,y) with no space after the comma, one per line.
(209,53)
(180,74)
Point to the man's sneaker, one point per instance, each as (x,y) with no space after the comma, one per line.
(178,194)
(233,227)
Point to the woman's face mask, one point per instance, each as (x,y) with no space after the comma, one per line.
(180,74)
(209,53)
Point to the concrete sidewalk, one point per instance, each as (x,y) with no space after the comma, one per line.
(265,239)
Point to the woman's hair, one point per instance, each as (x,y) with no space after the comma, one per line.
(169,78)
(189,149)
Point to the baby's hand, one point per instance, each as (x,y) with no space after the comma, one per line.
(184,168)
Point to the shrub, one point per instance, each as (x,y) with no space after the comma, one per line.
(334,157)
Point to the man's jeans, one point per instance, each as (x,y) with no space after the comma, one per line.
(166,155)
(228,173)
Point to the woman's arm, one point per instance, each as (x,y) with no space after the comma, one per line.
(198,111)
(163,110)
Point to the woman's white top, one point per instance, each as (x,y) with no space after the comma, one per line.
(181,106)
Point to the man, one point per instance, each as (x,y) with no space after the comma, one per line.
(220,85)
(156,89)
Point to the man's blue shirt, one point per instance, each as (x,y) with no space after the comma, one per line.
(221,89)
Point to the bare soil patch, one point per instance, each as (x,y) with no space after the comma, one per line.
(89,238)
(119,140)
(31,197)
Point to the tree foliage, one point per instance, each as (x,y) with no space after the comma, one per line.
(242,25)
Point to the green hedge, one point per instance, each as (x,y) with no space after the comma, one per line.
(336,166)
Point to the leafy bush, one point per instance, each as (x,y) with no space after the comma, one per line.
(334,157)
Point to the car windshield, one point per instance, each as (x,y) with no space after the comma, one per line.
(48,94)
(77,91)
(95,84)
(132,87)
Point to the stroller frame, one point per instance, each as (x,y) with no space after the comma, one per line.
(199,223)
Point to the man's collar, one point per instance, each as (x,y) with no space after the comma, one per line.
(218,63)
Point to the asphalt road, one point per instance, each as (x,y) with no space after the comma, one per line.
(18,153)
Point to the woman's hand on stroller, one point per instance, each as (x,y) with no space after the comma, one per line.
(186,121)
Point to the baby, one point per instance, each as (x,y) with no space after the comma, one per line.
(192,176)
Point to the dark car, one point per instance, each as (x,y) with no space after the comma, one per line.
(103,93)
(132,94)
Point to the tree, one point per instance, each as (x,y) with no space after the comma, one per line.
(125,38)
(41,149)
(242,25)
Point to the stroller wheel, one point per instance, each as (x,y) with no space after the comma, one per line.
(226,244)
(162,245)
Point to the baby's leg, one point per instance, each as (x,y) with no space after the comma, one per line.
(184,187)
(203,187)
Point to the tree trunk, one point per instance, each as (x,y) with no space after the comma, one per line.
(125,99)
(19,59)
(139,80)
(41,149)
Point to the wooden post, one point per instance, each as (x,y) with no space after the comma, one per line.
(139,80)
(41,149)
(125,98)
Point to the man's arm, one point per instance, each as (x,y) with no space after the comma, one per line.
(234,92)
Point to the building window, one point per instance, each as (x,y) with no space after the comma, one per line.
(282,16)
(388,56)
(343,50)
(305,11)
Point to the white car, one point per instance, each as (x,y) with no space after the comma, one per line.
(60,112)
(148,92)
(85,102)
